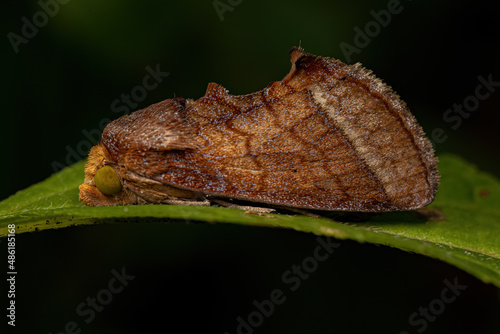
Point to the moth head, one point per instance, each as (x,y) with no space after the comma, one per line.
(103,185)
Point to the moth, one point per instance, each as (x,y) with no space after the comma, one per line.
(329,136)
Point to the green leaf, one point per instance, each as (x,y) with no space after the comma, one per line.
(468,238)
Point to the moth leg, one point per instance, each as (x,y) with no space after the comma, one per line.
(258,214)
(185,202)
(304,212)
(256,209)
(150,191)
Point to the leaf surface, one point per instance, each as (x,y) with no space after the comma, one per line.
(468,238)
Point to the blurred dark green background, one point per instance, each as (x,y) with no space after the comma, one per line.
(190,277)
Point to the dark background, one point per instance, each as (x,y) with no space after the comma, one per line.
(196,276)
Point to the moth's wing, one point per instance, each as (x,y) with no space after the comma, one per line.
(159,127)
(321,138)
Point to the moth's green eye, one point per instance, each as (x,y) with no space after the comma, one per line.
(107,181)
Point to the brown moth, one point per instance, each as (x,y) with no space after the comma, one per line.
(329,136)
